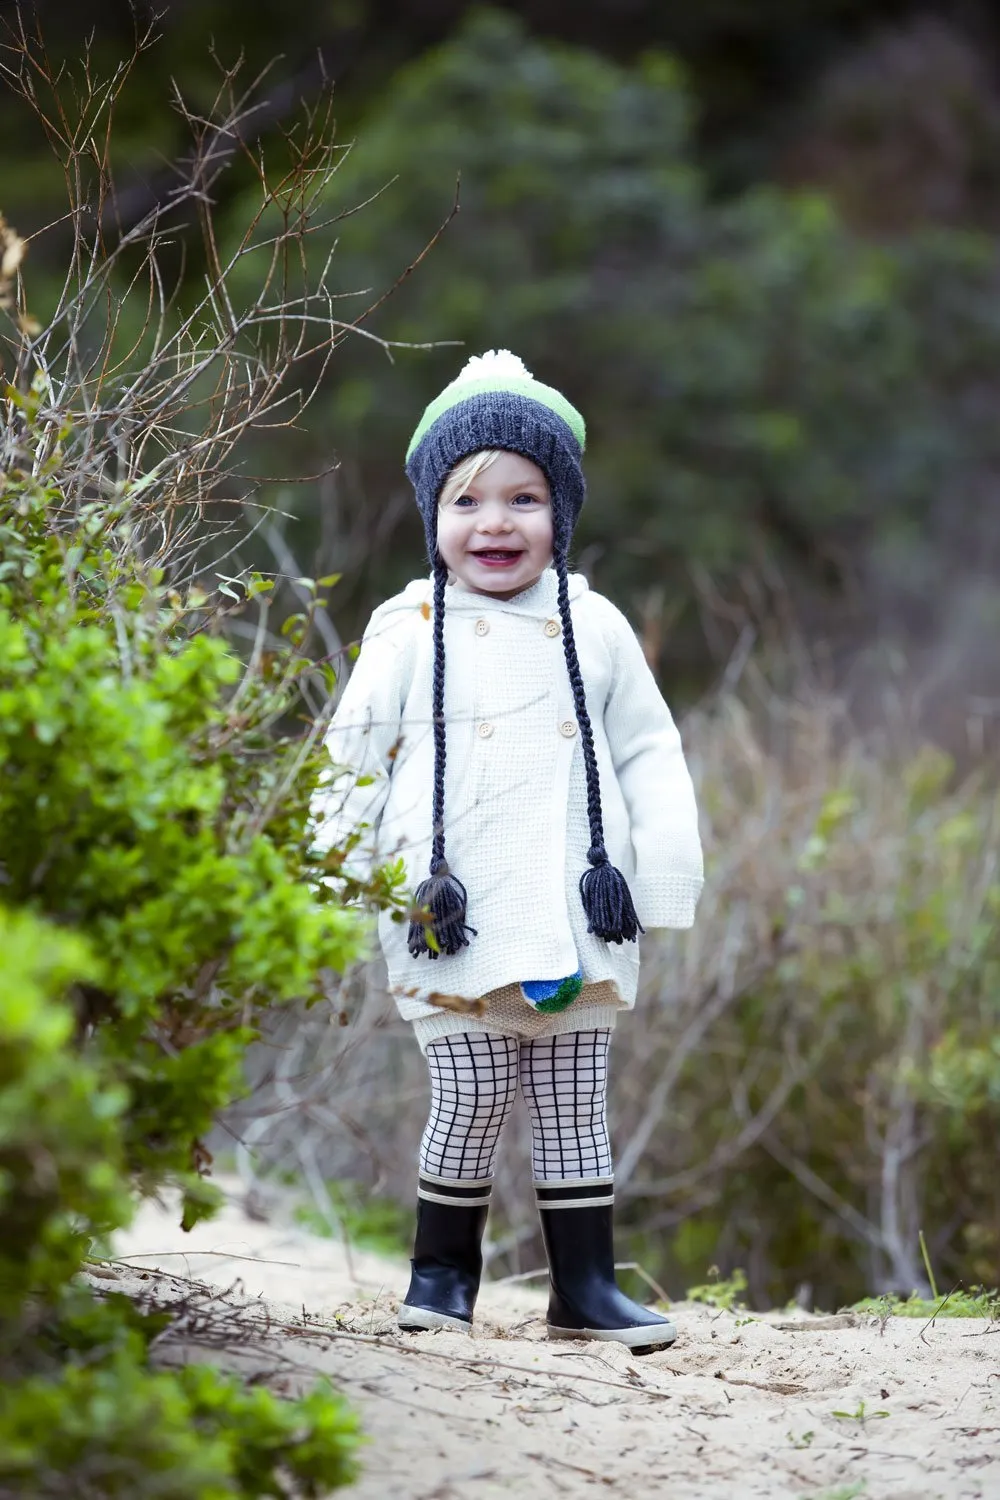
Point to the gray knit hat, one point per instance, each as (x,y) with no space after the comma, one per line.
(495,403)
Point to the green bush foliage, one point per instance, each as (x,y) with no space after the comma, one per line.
(158,887)
(61,1156)
(137,810)
(157,895)
(81,1406)
(120,1430)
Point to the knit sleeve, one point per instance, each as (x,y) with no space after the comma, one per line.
(656,785)
(362,741)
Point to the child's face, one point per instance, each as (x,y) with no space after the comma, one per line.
(496,536)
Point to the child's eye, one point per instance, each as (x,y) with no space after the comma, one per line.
(464,500)
(532,499)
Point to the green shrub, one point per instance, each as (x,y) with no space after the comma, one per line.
(81,1403)
(61,1158)
(121,1431)
(160,890)
(143,930)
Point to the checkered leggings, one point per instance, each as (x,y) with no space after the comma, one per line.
(474,1079)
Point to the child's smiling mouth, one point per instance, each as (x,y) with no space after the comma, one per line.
(497,557)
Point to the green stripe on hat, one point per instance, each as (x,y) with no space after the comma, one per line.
(498,370)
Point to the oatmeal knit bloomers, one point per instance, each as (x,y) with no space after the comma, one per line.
(507,1013)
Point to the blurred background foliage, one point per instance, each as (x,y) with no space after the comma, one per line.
(756,245)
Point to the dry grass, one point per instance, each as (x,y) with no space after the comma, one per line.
(795,1091)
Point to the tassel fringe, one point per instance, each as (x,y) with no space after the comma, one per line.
(607,901)
(445,898)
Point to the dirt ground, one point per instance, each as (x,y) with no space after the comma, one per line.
(792,1408)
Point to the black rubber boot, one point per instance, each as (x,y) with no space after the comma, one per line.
(447,1254)
(585,1301)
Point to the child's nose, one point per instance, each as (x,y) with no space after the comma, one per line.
(494,519)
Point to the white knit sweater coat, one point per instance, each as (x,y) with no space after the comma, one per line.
(515,792)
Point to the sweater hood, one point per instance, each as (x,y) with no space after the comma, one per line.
(540,600)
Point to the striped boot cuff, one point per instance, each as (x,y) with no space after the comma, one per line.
(458,1192)
(577,1192)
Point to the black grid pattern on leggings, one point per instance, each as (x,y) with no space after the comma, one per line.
(564,1080)
(474,1078)
(473,1086)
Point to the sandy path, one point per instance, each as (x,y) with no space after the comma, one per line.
(733,1409)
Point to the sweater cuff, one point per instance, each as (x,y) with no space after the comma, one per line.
(663,900)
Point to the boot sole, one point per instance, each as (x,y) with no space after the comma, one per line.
(639,1340)
(415,1319)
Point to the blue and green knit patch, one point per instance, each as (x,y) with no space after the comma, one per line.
(550,996)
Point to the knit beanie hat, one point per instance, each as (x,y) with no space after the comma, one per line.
(496,403)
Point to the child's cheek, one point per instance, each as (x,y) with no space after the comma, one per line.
(446,536)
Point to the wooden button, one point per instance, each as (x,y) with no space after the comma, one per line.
(482,627)
(484,730)
(552,627)
(568,728)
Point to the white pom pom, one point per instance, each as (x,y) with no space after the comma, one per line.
(495,364)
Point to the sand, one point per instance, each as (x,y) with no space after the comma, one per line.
(739,1406)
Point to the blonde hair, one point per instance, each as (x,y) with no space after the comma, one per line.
(465,471)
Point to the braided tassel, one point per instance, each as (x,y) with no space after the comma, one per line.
(445,899)
(607,901)
(438,926)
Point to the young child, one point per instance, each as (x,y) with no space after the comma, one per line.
(504,711)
